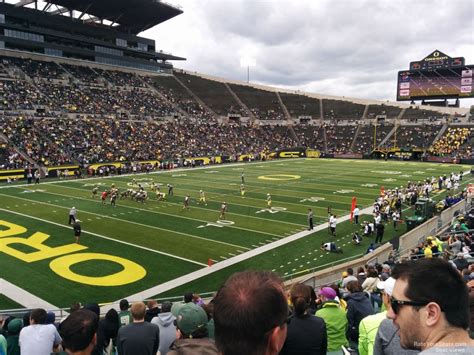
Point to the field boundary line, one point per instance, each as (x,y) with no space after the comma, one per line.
(107,238)
(25,298)
(158,172)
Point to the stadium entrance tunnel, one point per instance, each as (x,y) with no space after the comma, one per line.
(130,271)
(279,177)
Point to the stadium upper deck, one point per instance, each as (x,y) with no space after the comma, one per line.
(99,31)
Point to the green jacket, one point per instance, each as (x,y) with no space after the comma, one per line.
(368,328)
(336,324)
(3,345)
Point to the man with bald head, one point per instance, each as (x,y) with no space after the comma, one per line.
(250,314)
(139,337)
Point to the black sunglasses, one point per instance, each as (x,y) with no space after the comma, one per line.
(396,304)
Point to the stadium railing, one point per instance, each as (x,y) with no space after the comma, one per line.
(326,274)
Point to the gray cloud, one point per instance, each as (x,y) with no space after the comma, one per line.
(347,48)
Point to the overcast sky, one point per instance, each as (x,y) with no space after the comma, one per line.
(351,48)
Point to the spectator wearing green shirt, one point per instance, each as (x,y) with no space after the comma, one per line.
(3,345)
(335,318)
(125,316)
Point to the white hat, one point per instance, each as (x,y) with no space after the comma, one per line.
(78,220)
(387,285)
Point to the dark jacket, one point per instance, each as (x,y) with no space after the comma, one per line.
(108,329)
(151,313)
(461,263)
(471,310)
(201,346)
(14,328)
(306,336)
(358,307)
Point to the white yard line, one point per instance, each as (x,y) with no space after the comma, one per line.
(26,299)
(173,215)
(107,238)
(132,222)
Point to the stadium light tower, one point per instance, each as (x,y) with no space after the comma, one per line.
(247,62)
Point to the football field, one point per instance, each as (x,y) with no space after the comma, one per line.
(136,247)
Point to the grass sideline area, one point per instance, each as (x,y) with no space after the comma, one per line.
(133,246)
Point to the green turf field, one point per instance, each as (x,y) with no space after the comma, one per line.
(134,247)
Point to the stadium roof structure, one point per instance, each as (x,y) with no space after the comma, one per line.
(130,16)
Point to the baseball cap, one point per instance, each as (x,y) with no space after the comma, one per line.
(387,285)
(176,307)
(191,317)
(327,292)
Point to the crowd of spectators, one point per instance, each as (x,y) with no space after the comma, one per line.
(57,91)
(300,105)
(28,135)
(252,314)
(11,159)
(20,95)
(409,137)
(37,69)
(92,139)
(451,141)
(365,139)
(95,140)
(339,138)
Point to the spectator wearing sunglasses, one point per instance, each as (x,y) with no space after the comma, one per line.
(430,306)
(387,341)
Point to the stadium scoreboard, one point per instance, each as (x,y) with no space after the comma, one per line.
(437,76)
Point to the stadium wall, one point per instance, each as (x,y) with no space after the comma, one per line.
(332,274)
(431,227)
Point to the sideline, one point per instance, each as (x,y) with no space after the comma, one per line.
(158,172)
(26,299)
